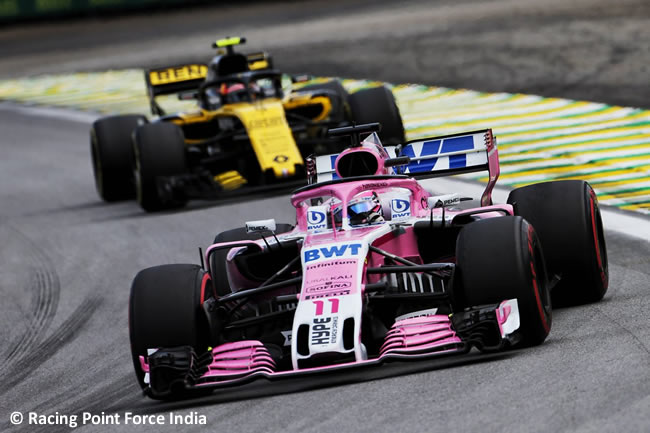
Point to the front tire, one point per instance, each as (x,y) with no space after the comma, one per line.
(501,258)
(111,151)
(567,219)
(159,152)
(165,311)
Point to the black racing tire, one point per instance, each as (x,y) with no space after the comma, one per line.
(165,310)
(567,219)
(501,258)
(340,112)
(377,104)
(111,151)
(159,151)
(218,270)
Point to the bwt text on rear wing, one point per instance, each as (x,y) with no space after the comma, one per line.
(445,155)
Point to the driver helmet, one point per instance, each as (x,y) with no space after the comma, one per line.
(364,209)
(235,92)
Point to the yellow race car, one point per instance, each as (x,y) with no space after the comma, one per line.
(247,132)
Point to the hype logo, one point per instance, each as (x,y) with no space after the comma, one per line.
(400,209)
(316,218)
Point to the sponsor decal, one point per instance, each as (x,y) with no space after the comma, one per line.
(324,330)
(426,153)
(265,122)
(176,75)
(330,263)
(335,327)
(281,158)
(444,200)
(316,218)
(321,331)
(450,201)
(329,286)
(328,252)
(375,185)
(328,278)
(400,209)
(260,226)
(328,294)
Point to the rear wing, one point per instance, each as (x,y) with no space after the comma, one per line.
(175,79)
(187,78)
(259,61)
(445,155)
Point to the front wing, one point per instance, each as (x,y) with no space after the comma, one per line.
(488,328)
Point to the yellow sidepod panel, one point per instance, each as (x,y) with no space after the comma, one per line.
(270,135)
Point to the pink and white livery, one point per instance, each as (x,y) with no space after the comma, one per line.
(375,269)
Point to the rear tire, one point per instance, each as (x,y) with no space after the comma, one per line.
(501,258)
(111,150)
(165,311)
(566,217)
(159,151)
(218,266)
(378,104)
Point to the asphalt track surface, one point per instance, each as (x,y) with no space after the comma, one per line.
(67,260)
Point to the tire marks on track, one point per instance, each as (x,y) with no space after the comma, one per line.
(39,353)
(45,288)
(112,398)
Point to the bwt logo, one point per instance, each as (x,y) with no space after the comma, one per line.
(333,251)
(401,208)
(316,219)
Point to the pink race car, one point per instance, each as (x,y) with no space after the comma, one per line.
(377,269)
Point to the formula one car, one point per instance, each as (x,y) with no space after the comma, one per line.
(246,133)
(376,270)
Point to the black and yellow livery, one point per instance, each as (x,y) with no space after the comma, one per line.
(246,133)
